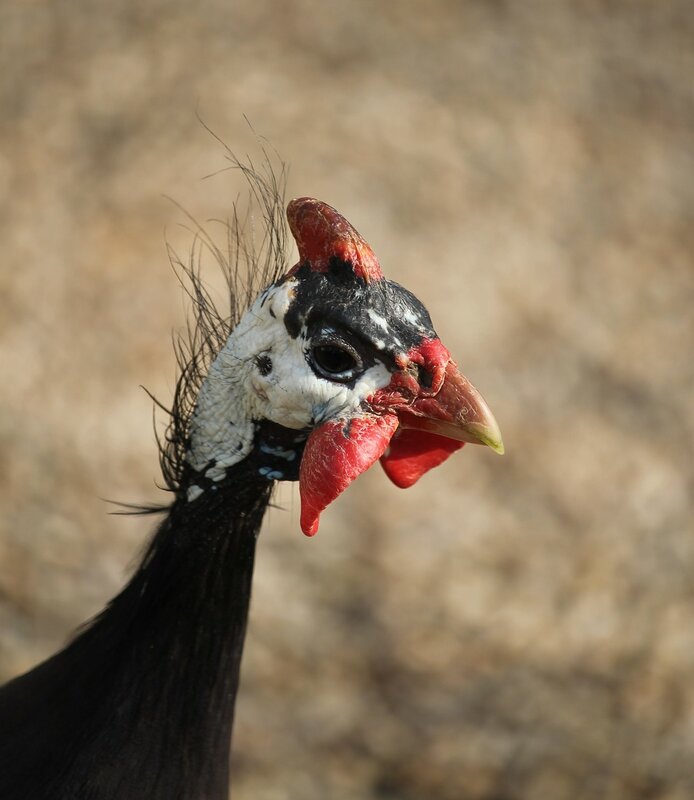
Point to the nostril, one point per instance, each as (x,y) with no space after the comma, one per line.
(424,377)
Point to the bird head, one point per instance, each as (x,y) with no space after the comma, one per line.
(332,369)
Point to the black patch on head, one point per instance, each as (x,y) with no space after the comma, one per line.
(264,364)
(340,300)
(341,271)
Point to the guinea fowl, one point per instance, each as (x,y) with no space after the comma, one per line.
(331,369)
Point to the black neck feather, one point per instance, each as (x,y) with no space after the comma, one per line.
(140,705)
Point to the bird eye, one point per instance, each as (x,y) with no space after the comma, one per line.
(336,362)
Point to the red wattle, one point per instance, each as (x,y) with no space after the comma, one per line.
(336,453)
(412,453)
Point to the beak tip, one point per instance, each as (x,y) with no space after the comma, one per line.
(488,434)
(494,443)
(498,447)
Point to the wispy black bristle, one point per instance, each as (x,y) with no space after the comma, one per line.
(248,266)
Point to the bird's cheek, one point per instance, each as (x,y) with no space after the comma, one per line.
(285,398)
(286,408)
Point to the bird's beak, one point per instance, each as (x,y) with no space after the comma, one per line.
(458,411)
(436,424)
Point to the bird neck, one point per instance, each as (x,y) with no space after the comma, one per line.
(180,626)
(152,682)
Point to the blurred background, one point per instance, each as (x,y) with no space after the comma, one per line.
(517,627)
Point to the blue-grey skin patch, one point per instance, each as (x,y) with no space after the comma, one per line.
(278,452)
(271,474)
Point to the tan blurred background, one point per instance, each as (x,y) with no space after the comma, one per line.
(510,628)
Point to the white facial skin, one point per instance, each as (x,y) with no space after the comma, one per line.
(235,393)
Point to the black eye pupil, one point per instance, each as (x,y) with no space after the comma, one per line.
(333,360)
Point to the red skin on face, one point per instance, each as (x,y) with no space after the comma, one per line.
(322,233)
(413,452)
(337,452)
